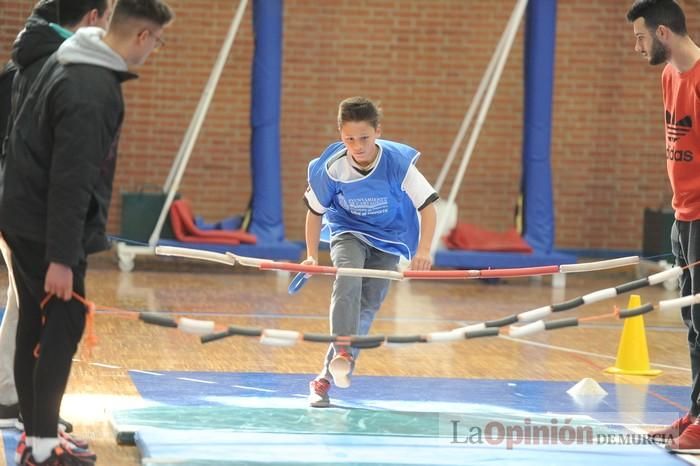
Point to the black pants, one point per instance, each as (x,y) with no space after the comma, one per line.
(41,382)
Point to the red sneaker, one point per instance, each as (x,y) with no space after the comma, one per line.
(688,441)
(65,455)
(318,393)
(22,452)
(73,440)
(674,430)
(340,367)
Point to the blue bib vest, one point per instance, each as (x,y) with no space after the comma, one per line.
(375,208)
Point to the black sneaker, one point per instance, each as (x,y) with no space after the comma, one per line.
(63,425)
(65,455)
(8,415)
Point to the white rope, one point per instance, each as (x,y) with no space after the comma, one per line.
(198,254)
(469,328)
(535,314)
(196,327)
(230,258)
(247,261)
(274,337)
(599,295)
(369,273)
(599,265)
(528,329)
(669,274)
(444,337)
(677,303)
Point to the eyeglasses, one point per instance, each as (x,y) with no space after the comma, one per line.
(159,41)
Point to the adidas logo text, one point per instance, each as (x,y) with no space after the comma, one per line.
(679,155)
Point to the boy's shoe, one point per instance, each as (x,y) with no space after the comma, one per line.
(674,430)
(340,367)
(688,441)
(63,425)
(64,455)
(318,393)
(8,415)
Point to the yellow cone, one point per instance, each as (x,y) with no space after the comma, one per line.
(633,354)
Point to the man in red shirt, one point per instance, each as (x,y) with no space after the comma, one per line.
(662,37)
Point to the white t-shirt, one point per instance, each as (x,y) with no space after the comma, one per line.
(343,168)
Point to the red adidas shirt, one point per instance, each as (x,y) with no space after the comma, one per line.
(681,92)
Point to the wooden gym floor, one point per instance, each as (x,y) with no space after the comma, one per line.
(255,298)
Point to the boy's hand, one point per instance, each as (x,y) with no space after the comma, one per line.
(421,261)
(59,281)
(309,261)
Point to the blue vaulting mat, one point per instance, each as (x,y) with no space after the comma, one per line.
(256,418)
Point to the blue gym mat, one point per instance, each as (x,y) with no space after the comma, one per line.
(256,418)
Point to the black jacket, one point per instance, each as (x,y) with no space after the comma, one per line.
(61,153)
(34,44)
(43,13)
(6,76)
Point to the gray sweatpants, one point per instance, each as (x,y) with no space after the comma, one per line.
(355,300)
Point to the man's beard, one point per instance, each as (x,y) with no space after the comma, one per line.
(658,53)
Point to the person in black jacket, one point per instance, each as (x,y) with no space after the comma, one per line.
(60,162)
(50,22)
(44,12)
(7,74)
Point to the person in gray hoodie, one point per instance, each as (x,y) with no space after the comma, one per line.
(49,24)
(60,162)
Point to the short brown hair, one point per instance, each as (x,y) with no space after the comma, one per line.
(359,109)
(155,11)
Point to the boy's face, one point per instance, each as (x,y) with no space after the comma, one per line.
(359,138)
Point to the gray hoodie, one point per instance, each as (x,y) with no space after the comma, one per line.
(86,47)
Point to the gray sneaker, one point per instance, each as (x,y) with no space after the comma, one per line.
(318,393)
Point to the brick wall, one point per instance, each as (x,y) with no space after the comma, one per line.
(423,60)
